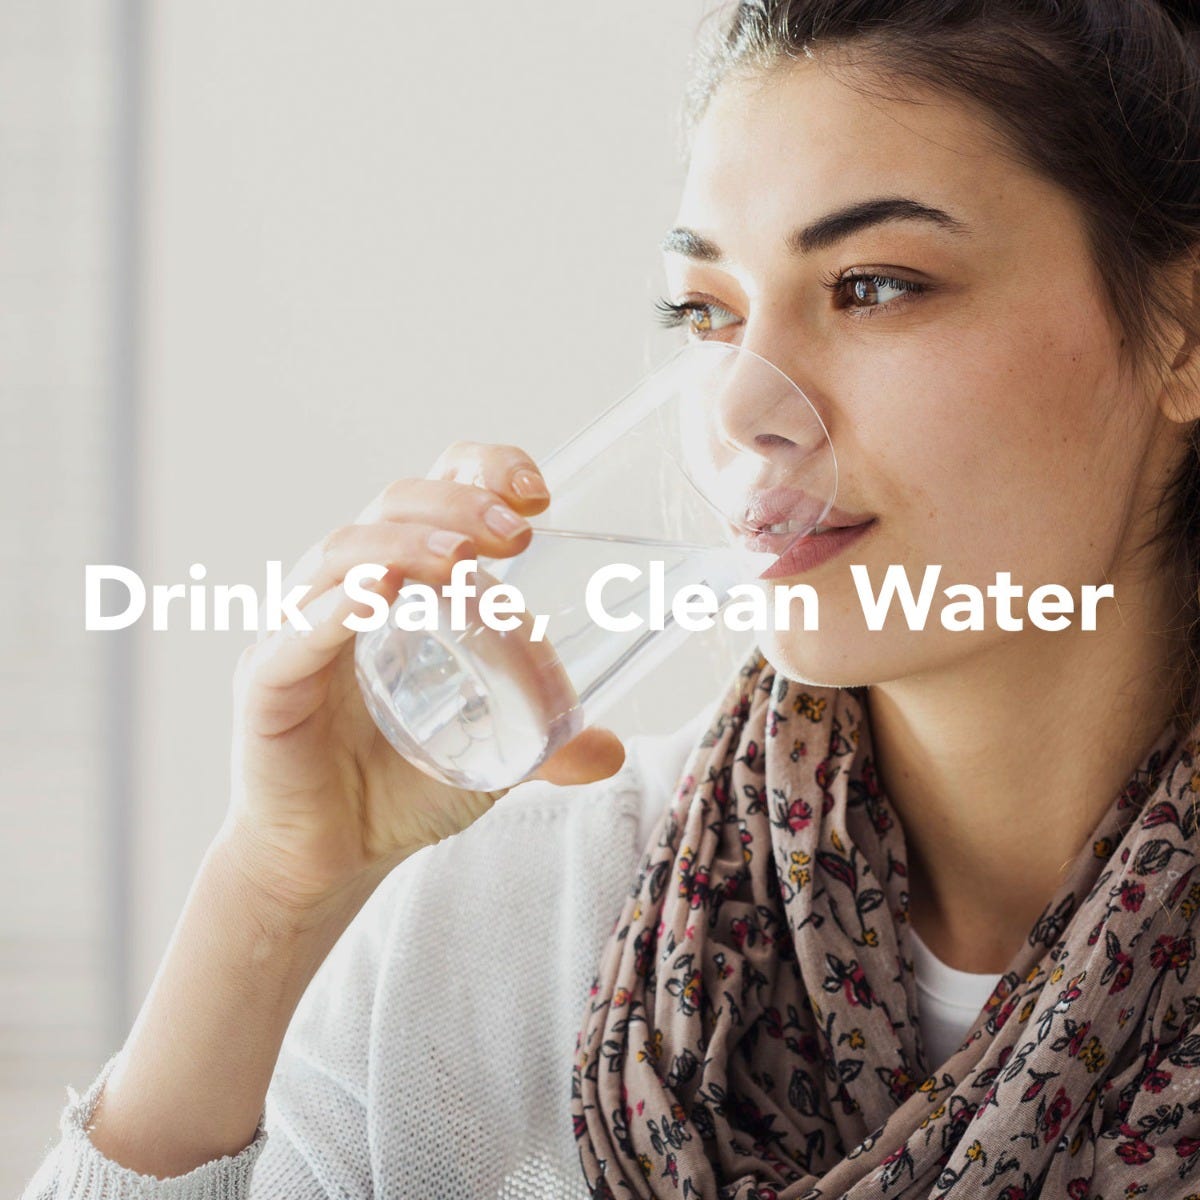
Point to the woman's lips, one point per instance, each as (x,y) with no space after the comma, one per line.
(806,553)
(779,505)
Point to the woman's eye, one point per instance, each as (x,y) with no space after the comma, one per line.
(869,292)
(699,316)
(863,294)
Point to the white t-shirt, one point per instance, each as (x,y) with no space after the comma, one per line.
(431,1054)
(430,1057)
(948,1000)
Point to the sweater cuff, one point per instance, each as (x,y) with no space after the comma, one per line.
(85,1174)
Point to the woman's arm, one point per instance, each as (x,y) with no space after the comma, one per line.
(441,1018)
(322,1069)
(199,1059)
(322,809)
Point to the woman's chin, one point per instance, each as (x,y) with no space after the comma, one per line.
(851,655)
(812,659)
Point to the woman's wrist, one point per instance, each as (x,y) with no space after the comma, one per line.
(245,869)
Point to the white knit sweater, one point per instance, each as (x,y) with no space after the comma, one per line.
(430,1057)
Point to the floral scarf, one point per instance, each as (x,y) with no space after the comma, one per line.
(752,1032)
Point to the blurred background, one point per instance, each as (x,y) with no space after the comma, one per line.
(257,261)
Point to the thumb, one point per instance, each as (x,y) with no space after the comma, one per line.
(594,754)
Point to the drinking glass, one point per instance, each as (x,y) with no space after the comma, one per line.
(704,475)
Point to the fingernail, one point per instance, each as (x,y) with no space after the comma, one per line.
(445,543)
(529,485)
(504,521)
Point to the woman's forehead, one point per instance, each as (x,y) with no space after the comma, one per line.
(790,145)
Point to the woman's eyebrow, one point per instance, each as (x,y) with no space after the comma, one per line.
(825,231)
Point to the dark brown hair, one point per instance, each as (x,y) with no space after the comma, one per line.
(1102,97)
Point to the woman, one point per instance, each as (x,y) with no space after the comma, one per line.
(969,231)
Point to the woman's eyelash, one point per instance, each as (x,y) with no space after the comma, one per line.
(840,284)
(671,315)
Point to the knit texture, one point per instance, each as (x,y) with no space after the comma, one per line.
(426,1059)
(76,1168)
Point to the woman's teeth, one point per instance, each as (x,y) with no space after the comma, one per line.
(785,527)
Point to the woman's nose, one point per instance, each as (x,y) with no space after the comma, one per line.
(754,442)
(759,409)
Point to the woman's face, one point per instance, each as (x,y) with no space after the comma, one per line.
(962,356)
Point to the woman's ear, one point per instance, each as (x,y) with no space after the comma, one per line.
(1180,396)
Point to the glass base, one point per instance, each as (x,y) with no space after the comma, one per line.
(479,710)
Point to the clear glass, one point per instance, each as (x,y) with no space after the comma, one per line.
(705,474)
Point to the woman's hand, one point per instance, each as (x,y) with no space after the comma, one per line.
(319,797)
(322,809)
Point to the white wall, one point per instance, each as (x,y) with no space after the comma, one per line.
(57,282)
(364,231)
(373,229)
